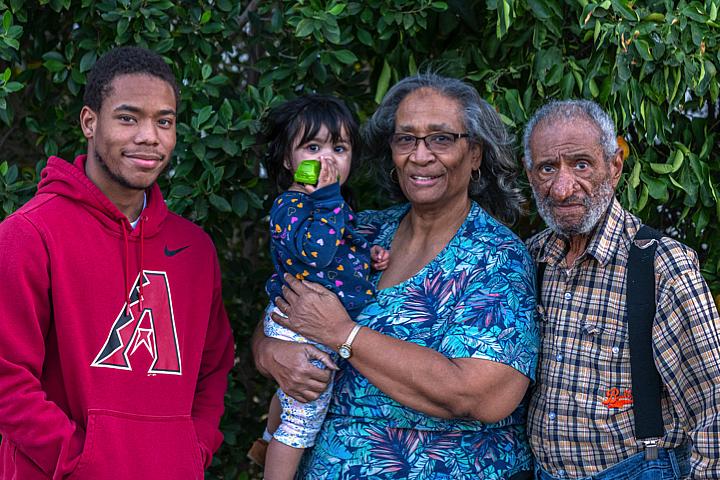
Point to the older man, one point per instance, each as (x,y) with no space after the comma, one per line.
(582,422)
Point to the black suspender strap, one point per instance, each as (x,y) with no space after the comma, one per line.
(640,303)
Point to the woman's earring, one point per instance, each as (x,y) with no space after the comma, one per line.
(475,175)
(394,176)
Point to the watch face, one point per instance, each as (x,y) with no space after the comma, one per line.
(344,351)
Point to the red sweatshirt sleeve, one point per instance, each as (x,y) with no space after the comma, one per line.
(217,360)
(39,428)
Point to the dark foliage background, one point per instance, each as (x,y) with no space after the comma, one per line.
(652,63)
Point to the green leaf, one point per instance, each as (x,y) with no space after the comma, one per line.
(122,26)
(7,20)
(365,37)
(540,9)
(622,7)
(661,168)
(678,160)
(642,200)
(634,179)
(226,111)
(181,191)
(87,61)
(239,204)
(304,28)
(337,9)
(206,16)
(594,90)
(204,113)
(220,203)
(643,48)
(383,82)
(12,174)
(230,147)
(3,168)
(52,64)
(345,56)
(657,188)
(12,87)
(206,71)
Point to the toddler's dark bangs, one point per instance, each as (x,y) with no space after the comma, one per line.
(311,120)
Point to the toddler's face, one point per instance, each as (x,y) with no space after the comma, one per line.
(323,146)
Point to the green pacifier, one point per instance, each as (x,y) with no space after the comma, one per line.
(308,172)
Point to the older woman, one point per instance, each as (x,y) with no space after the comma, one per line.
(435,369)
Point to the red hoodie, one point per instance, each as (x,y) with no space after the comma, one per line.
(102,376)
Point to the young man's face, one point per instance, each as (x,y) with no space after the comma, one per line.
(132,137)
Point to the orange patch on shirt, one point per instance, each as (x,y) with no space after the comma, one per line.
(615,400)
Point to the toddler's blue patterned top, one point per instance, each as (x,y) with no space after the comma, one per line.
(313,237)
(475,299)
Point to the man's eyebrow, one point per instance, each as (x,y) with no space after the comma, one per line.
(133,109)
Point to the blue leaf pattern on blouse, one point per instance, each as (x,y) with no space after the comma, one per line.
(475,299)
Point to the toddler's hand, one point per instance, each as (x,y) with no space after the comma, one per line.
(328,172)
(380,258)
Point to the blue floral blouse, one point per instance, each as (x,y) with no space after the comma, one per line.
(475,299)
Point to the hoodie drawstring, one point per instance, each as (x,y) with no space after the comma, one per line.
(142,258)
(128,287)
(127,267)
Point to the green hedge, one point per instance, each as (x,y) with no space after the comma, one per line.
(653,64)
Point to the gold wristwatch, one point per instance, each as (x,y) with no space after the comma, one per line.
(345,350)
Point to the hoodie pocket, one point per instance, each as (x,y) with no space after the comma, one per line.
(120,446)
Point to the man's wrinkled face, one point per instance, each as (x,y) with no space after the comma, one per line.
(572,181)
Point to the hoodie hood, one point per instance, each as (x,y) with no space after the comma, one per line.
(69,180)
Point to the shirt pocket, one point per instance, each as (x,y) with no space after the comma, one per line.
(604,356)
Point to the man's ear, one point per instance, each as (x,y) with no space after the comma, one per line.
(616,166)
(88,122)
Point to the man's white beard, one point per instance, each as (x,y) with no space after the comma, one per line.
(595,205)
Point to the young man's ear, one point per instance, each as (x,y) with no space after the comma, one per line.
(88,122)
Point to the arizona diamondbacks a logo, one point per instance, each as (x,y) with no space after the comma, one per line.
(153,328)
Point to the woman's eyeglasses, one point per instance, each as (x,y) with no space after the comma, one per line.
(439,142)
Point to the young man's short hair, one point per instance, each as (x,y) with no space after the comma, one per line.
(125,61)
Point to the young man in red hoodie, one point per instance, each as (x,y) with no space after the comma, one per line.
(115,345)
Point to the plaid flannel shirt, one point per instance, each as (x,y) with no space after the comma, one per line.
(578,424)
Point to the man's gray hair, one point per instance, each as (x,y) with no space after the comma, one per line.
(565,110)
(496,190)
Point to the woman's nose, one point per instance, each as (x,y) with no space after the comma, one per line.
(421,154)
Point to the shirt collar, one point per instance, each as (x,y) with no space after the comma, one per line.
(134,223)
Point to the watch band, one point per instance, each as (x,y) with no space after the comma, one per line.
(353,334)
(345,350)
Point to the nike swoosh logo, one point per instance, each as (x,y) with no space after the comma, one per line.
(172,253)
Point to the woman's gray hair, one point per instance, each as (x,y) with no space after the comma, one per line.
(566,110)
(496,190)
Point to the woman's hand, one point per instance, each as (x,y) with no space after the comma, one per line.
(313,311)
(289,364)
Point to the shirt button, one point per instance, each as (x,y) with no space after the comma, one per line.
(552,416)
(615,350)
(568,295)
(559,357)
(561,473)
